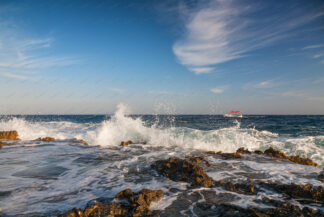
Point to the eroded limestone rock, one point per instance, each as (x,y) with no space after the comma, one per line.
(186,170)
(127,204)
(45,139)
(9,135)
(126,143)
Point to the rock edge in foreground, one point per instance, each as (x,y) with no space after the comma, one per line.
(127,204)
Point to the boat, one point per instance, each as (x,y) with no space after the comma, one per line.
(234,114)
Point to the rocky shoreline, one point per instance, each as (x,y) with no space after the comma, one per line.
(208,197)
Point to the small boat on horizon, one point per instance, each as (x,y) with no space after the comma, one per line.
(234,114)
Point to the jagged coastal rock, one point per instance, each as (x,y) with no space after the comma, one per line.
(126,143)
(9,135)
(45,139)
(126,203)
(271,152)
(186,170)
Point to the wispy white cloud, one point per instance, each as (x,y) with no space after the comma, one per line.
(12,75)
(20,54)
(217,90)
(265,84)
(221,31)
(318,56)
(314,46)
(118,90)
(299,94)
(201,70)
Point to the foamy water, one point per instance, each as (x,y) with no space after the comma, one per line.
(46,178)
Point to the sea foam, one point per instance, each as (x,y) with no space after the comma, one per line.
(121,127)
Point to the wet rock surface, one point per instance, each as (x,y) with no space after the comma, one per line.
(126,143)
(312,193)
(126,203)
(45,139)
(9,135)
(78,141)
(271,152)
(211,203)
(186,170)
(296,159)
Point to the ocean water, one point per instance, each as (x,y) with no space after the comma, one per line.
(40,178)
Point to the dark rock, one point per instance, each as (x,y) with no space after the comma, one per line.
(126,143)
(258,152)
(315,193)
(296,159)
(9,135)
(242,150)
(228,156)
(45,139)
(321,176)
(6,144)
(300,160)
(187,170)
(242,188)
(78,141)
(128,204)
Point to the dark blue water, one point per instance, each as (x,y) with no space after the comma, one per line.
(293,125)
(39,178)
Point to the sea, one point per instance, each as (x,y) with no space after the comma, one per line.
(39,178)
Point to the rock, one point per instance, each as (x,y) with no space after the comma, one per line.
(307,191)
(211,152)
(272,153)
(78,141)
(258,152)
(186,170)
(6,144)
(242,188)
(126,143)
(45,139)
(321,176)
(300,160)
(9,135)
(242,150)
(275,153)
(128,204)
(296,159)
(228,156)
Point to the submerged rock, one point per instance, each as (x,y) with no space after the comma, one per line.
(78,141)
(296,159)
(272,153)
(126,143)
(321,176)
(127,204)
(242,188)
(6,144)
(209,203)
(9,135)
(228,156)
(186,170)
(242,150)
(45,139)
(308,191)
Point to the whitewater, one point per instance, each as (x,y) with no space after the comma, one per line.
(40,178)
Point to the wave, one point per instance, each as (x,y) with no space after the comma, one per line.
(121,127)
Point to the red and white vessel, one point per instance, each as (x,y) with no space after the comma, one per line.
(234,114)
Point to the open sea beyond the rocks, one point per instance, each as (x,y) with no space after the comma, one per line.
(48,178)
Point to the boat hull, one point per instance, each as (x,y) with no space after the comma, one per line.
(233,116)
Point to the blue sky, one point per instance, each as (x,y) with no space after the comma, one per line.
(185,57)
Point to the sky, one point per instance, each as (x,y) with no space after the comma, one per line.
(162,57)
